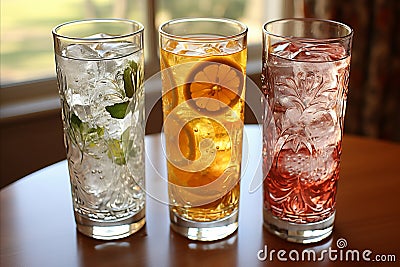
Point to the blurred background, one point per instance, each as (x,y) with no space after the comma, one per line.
(30,123)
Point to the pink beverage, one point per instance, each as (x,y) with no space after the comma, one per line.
(305,82)
(308,112)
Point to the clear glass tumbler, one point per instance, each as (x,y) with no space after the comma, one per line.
(203,63)
(99,67)
(306,64)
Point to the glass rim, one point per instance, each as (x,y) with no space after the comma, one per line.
(244,29)
(332,22)
(97,20)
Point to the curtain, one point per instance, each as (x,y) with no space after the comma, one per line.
(373,106)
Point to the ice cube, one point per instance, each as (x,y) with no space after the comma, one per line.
(232,44)
(80,74)
(82,111)
(97,178)
(281,48)
(171,45)
(211,50)
(80,51)
(107,93)
(301,50)
(287,50)
(115,49)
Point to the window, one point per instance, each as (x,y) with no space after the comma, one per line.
(26,51)
(26,41)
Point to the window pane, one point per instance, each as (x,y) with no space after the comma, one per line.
(26,51)
(253,13)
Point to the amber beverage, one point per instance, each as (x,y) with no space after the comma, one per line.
(203,64)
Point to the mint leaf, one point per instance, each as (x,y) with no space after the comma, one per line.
(128,83)
(118,111)
(130,75)
(134,66)
(75,121)
(115,152)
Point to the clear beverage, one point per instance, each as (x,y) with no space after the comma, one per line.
(203,106)
(100,86)
(310,81)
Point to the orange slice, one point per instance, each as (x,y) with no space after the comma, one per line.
(187,143)
(175,128)
(214,85)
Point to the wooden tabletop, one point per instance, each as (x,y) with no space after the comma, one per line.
(38,229)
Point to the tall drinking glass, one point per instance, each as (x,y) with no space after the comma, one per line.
(306,64)
(100,74)
(203,63)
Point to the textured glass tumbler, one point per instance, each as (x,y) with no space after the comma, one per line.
(203,63)
(100,75)
(306,64)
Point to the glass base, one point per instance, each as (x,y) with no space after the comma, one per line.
(299,233)
(205,231)
(110,230)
